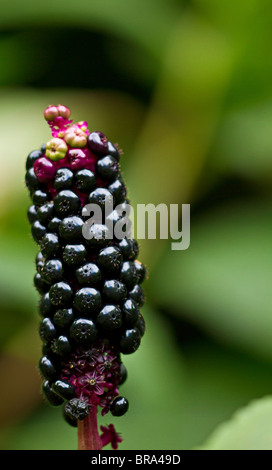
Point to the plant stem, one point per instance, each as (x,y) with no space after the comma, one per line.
(88,437)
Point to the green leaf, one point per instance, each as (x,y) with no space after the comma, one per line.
(249,429)
(223,281)
(135,20)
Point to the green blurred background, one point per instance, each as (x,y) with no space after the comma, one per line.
(184,87)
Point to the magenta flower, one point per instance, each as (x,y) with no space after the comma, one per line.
(91,382)
(110,436)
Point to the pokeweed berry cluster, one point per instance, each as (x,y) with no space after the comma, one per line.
(90,288)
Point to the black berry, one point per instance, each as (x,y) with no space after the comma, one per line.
(128,274)
(32,214)
(98,143)
(101,197)
(109,318)
(119,406)
(64,317)
(130,312)
(62,346)
(38,230)
(74,255)
(110,259)
(70,228)
(130,341)
(129,248)
(47,368)
(89,274)
(64,179)
(76,409)
(87,300)
(52,271)
(50,245)
(114,290)
(107,168)
(83,331)
(47,329)
(32,157)
(64,389)
(113,151)
(50,395)
(60,294)
(45,212)
(39,197)
(118,190)
(66,203)
(85,180)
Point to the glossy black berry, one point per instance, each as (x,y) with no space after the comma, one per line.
(32,214)
(129,248)
(40,284)
(64,179)
(64,389)
(60,294)
(98,143)
(110,259)
(140,324)
(76,409)
(50,245)
(32,157)
(122,374)
(119,406)
(118,190)
(128,274)
(39,262)
(50,395)
(47,330)
(89,274)
(48,368)
(83,331)
(53,225)
(114,290)
(130,312)
(85,181)
(45,212)
(102,197)
(52,271)
(107,168)
(64,317)
(38,230)
(113,151)
(97,235)
(66,203)
(31,179)
(71,422)
(62,346)
(138,295)
(70,228)
(39,197)
(109,318)
(141,271)
(87,300)
(130,341)
(74,255)
(46,307)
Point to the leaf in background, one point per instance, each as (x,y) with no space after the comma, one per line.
(180,125)
(249,429)
(146,23)
(223,281)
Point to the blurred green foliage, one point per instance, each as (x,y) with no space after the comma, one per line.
(184,87)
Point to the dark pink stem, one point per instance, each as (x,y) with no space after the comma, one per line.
(88,437)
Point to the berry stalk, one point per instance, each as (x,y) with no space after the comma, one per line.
(88,276)
(88,436)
